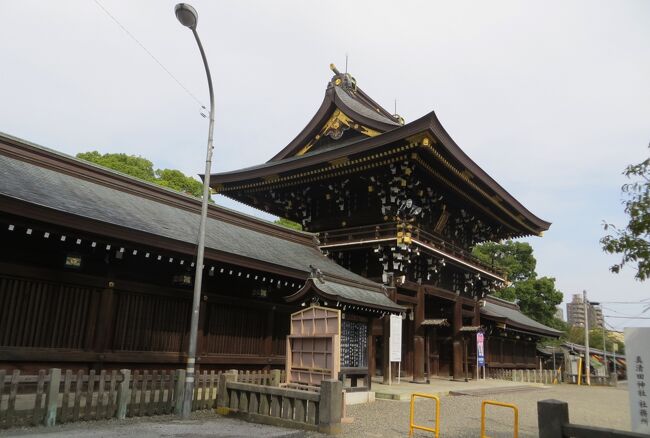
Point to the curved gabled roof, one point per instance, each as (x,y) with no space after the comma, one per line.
(342,94)
(445,146)
(510,314)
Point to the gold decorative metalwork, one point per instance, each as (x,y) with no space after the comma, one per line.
(339,161)
(335,123)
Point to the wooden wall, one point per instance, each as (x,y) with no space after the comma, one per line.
(505,352)
(39,314)
(57,323)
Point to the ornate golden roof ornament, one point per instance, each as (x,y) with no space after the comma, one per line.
(343,80)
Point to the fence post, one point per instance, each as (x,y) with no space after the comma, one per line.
(52,399)
(223,398)
(123,394)
(329,410)
(275,377)
(551,416)
(179,391)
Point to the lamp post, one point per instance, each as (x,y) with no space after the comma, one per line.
(585,306)
(188,17)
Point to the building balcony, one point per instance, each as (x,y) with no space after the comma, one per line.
(385,234)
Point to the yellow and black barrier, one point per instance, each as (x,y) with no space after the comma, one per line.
(412,426)
(504,405)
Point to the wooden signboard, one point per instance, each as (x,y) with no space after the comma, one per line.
(354,344)
(314,346)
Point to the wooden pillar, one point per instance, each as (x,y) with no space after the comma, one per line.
(458,340)
(501,358)
(371,352)
(418,338)
(268,336)
(385,360)
(201,343)
(104,326)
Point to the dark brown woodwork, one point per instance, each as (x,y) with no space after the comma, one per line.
(103,333)
(268,338)
(418,338)
(457,323)
(371,350)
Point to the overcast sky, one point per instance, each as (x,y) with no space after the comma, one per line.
(552,99)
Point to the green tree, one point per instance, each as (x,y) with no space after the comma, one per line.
(537,297)
(515,258)
(142,168)
(576,335)
(288,224)
(129,164)
(633,241)
(177,180)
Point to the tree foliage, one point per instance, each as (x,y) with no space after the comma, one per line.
(576,335)
(633,241)
(288,224)
(515,258)
(537,297)
(142,168)
(129,164)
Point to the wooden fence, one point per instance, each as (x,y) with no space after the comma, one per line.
(281,406)
(52,397)
(525,376)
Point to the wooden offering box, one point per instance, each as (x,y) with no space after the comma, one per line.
(313,346)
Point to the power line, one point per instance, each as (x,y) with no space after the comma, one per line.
(621,313)
(644,301)
(189,93)
(628,317)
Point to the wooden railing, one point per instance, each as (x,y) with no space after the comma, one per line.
(318,410)
(54,397)
(382,231)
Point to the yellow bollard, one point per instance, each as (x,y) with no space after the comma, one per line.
(580,371)
(436,429)
(505,405)
(558,374)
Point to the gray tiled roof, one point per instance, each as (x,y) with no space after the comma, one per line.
(362,109)
(80,197)
(354,294)
(516,318)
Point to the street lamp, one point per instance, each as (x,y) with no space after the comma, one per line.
(188,17)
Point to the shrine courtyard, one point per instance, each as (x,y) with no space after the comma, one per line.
(460,416)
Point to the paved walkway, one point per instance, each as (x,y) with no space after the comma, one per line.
(202,425)
(440,387)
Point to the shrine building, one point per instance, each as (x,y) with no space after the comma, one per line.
(96,267)
(401,204)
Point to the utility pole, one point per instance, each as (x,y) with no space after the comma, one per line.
(605,349)
(585,306)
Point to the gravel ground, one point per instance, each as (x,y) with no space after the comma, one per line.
(460,416)
(202,424)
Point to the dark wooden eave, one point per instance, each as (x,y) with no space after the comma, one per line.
(354,103)
(345,292)
(427,126)
(43,185)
